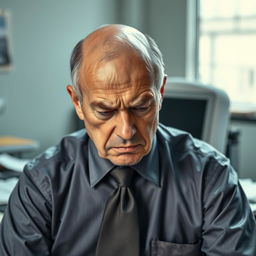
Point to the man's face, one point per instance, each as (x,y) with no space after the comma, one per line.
(120,108)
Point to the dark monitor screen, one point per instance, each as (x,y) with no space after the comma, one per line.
(184,114)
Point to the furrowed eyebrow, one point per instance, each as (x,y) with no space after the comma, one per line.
(101,105)
(142,101)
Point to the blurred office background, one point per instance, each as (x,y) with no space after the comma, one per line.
(210,40)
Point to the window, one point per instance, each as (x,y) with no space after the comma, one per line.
(227,47)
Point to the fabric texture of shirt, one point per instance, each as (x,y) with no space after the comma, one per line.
(189,201)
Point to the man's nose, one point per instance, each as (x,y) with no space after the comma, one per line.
(125,128)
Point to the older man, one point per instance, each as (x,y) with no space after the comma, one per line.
(126,186)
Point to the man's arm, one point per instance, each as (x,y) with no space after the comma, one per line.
(229,226)
(26,228)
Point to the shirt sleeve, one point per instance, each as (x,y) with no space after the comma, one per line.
(229,226)
(25,227)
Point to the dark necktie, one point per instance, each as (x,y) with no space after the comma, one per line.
(119,234)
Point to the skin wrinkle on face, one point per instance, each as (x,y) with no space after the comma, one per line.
(112,43)
(120,103)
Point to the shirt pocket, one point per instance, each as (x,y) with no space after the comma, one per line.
(162,248)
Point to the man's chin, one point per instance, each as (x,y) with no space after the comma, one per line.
(125,159)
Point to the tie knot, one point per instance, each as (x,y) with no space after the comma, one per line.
(123,175)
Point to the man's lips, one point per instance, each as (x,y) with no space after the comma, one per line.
(126,149)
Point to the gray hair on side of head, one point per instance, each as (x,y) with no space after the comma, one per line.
(75,63)
(141,43)
(157,61)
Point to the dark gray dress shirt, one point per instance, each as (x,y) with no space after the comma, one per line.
(188,196)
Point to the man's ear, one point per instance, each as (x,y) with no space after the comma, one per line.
(162,90)
(76,102)
(163,85)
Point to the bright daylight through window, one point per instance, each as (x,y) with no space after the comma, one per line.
(227,48)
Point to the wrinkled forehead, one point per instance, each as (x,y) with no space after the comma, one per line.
(126,70)
(114,38)
(113,63)
(111,42)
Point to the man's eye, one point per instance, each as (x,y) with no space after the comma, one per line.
(105,114)
(140,109)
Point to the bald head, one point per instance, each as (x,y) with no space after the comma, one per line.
(109,42)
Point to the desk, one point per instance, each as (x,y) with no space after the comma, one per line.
(14,145)
(245,113)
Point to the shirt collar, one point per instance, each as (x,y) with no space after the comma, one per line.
(98,167)
(148,167)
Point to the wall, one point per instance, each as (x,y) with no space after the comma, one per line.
(43,34)
(166,22)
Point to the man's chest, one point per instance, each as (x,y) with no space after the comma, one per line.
(170,216)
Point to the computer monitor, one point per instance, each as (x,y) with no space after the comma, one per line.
(200,109)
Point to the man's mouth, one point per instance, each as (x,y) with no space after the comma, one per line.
(126,149)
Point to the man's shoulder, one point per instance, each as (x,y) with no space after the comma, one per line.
(181,143)
(61,154)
